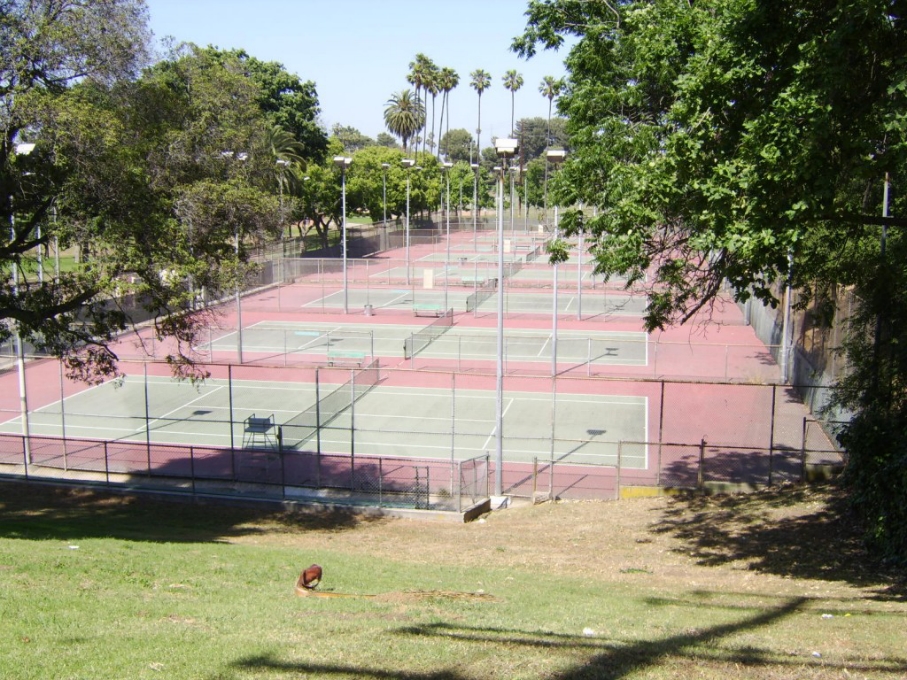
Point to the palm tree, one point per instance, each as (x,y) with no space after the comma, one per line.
(287,152)
(550,88)
(513,81)
(448,80)
(433,87)
(420,71)
(403,116)
(481,81)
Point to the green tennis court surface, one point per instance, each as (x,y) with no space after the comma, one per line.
(594,302)
(357,343)
(389,420)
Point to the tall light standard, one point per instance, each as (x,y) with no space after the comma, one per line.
(475,201)
(20,150)
(555,157)
(408,164)
(506,148)
(343,163)
(446,167)
(230,155)
(384,167)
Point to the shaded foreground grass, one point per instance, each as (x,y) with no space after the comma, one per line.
(101,586)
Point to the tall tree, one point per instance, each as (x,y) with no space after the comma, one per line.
(448,80)
(550,88)
(420,73)
(433,87)
(46,47)
(403,116)
(747,143)
(283,98)
(480,81)
(513,81)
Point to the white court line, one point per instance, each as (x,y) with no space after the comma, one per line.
(180,407)
(544,345)
(495,429)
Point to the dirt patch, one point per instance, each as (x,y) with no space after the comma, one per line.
(798,539)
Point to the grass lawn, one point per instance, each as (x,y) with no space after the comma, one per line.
(773,585)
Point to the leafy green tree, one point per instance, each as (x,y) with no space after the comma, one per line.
(460,145)
(159,181)
(533,134)
(283,98)
(747,143)
(47,46)
(351,139)
(384,139)
(403,116)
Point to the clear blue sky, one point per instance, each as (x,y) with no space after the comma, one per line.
(357,52)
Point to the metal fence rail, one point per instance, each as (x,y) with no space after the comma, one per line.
(427,484)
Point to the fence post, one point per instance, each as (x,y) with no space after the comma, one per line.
(232,435)
(771,438)
(192,467)
(459,486)
(661,425)
(106,465)
(589,359)
(620,460)
(380,482)
(25,451)
(147,420)
(535,476)
(803,437)
(700,477)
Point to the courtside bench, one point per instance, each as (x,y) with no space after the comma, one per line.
(428,310)
(344,356)
(472,280)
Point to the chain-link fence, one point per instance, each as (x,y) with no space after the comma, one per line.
(565,437)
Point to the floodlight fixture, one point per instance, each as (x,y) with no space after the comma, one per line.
(407,162)
(342,162)
(555,156)
(506,147)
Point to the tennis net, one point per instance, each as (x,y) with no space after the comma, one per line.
(301,428)
(481,295)
(418,341)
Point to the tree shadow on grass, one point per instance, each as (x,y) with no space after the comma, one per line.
(609,659)
(41,512)
(823,543)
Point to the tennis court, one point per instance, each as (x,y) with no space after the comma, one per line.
(594,303)
(341,417)
(358,344)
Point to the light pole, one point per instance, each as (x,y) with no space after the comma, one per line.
(554,157)
(505,148)
(384,167)
(230,155)
(343,163)
(475,201)
(447,166)
(408,164)
(20,150)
